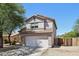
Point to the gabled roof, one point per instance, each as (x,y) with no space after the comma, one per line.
(43,18)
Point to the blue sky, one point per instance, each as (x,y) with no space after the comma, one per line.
(65,14)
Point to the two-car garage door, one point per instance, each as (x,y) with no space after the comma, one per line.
(37,41)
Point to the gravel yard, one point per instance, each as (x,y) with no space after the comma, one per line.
(25,51)
(62,51)
(22,51)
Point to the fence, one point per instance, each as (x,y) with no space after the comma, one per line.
(68,41)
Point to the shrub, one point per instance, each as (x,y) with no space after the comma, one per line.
(6,41)
(14,43)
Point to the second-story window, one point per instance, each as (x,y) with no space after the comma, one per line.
(34,25)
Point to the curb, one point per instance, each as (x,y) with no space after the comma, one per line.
(42,51)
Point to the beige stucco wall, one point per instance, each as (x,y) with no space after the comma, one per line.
(40,24)
(53,40)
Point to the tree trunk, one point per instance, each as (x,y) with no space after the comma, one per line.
(1,40)
(9,39)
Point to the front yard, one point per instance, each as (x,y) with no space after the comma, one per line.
(18,51)
(26,51)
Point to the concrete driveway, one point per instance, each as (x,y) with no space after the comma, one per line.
(62,51)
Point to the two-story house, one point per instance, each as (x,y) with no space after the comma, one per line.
(39,31)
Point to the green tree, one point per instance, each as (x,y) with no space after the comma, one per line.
(11,17)
(69,34)
(74,32)
(76,27)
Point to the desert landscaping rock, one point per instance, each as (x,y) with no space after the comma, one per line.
(23,51)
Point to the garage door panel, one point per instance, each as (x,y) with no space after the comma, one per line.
(34,41)
(43,43)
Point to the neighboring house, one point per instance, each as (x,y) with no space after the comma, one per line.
(39,31)
(15,37)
